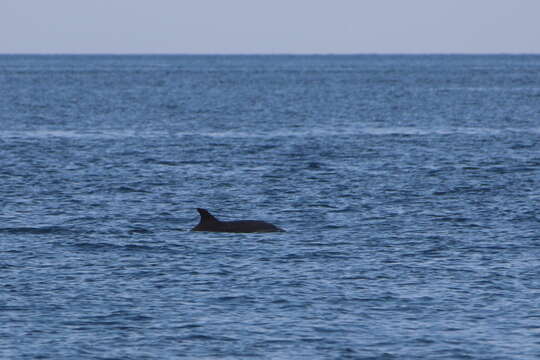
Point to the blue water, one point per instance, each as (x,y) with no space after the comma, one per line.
(409,187)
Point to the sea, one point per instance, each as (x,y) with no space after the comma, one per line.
(408,186)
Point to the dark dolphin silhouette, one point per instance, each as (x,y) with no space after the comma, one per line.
(210,223)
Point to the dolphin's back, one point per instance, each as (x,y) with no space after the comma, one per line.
(209,223)
(249,226)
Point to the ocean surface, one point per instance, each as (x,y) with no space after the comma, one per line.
(409,187)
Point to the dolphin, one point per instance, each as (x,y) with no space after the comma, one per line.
(209,223)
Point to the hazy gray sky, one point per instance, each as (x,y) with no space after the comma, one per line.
(272,26)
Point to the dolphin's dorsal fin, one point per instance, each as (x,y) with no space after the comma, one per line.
(206,217)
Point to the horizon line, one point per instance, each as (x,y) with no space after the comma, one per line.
(261,53)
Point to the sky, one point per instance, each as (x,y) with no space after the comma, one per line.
(269,27)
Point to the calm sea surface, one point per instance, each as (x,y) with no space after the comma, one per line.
(409,187)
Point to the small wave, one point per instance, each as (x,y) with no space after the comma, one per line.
(139,231)
(332,245)
(127,189)
(202,337)
(456,219)
(95,246)
(133,247)
(330,131)
(326,329)
(233,298)
(354,130)
(167,163)
(96,134)
(107,247)
(173,162)
(188,326)
(36,230)
(466,190)
(280,341)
